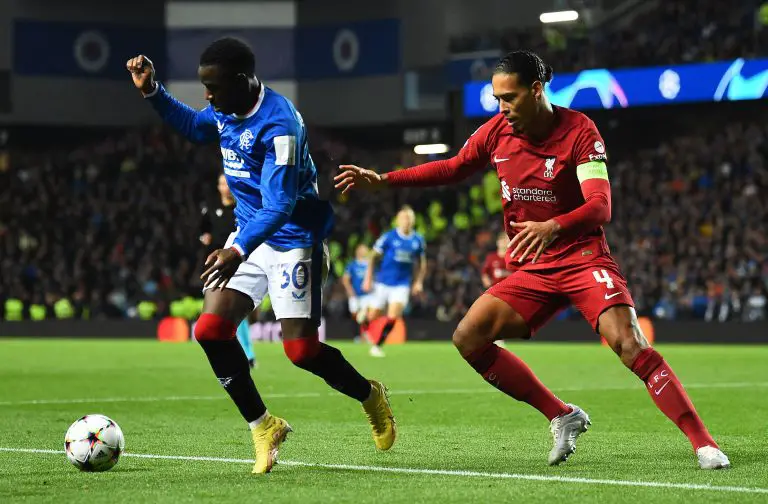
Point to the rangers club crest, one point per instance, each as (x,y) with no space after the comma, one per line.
(246,140)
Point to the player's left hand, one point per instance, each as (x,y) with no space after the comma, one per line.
(417,289)
(532,237)
(220,265)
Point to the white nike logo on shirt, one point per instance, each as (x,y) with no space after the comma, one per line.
(658,390)
(499,160)
(612,295)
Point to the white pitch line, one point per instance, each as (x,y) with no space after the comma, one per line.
(149,399)
(439,472)
(299,395)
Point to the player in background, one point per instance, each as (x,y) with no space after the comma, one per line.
(395,254)
(551,163)
(278,247)
(352,280)
(217,223)
(495,266)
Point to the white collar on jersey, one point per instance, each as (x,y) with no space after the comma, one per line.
(255,107)
(401,235)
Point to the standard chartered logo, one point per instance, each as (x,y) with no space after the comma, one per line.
(533,194)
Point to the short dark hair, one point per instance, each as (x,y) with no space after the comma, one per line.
(232,54)
(527,65)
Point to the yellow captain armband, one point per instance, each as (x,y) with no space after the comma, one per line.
(592,170)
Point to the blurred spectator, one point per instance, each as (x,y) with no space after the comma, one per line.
(674,32)
(95,231)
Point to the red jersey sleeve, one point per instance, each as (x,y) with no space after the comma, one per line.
(473,157)
(589,145)
(589,156)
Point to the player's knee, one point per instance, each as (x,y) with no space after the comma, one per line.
(467,339)
(626,346)
(211,327)
(301,350)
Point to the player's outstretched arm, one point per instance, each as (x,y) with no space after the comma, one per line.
(472,158)
(434,173)
(198,127)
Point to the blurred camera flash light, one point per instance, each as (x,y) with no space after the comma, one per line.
(431,148)
(559,16)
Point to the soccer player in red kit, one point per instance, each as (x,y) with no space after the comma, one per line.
(551,162)
(495,267)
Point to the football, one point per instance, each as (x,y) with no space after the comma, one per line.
(94,443)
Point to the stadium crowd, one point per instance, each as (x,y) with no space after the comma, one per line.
(112,224)
(673,32)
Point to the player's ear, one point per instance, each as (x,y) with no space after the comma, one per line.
(538,89)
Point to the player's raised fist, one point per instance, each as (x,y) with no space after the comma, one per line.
(142,72)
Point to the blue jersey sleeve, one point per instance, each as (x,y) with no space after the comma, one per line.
(196,126)
(382,243)
(279,187)
(348,268)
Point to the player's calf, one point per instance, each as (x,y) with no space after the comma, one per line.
(618,325)
(474,338)
(216,336)
(304,349)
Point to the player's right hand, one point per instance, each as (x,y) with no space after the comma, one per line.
(354,176)
(366,285)
(142,72)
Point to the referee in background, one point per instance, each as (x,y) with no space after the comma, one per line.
(218,221)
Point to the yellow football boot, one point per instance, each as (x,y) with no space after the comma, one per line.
(379,414)
(267,438)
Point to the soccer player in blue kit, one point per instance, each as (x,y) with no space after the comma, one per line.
(395,252)
(278,246)
(352,280)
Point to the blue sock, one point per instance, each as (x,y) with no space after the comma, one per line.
(244,337)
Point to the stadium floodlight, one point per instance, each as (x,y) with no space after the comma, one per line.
(559,16)
(431,149)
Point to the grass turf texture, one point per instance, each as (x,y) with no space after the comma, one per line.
(448,419)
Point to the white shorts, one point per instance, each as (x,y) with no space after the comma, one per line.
(385,295)
(358,303)
(294,279)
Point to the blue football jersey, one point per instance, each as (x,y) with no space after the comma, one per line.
(267,166)
(399,253)
(356,270)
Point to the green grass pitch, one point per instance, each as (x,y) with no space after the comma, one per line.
(452,427)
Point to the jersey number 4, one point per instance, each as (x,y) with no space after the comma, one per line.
(601,276)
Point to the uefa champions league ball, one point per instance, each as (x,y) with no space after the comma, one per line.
(94,443)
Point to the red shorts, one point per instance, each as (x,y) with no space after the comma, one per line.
(537,295)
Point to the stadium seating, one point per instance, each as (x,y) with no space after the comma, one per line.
(96,231)
(679,31)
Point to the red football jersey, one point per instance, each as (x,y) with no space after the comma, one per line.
(495,267)
(539,181)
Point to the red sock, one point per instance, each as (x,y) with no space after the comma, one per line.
(670,397)
(508,373)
